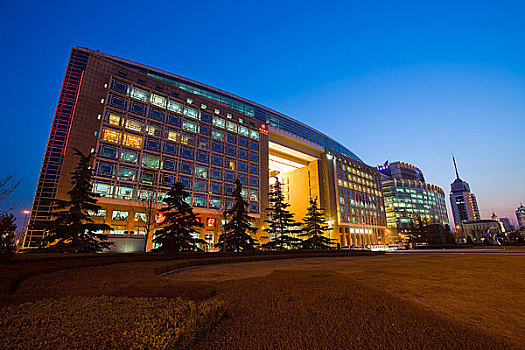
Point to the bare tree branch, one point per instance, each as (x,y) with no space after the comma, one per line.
(8,185)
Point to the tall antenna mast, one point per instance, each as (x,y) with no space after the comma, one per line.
(455,167)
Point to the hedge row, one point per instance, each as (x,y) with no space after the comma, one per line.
(107,323)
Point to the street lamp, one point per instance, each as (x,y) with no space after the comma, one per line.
(22,232)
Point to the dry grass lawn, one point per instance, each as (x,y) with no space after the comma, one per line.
(392,301)
(479,292)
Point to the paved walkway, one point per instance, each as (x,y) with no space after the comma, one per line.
(501,251)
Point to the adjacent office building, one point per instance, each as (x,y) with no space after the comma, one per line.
(148,129)
(481,231)
(507,226)
(463,202)
(408,197)
(520,216)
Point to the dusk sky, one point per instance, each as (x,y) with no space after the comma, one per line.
(411,81)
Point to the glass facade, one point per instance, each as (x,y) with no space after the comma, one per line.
(148,129)
(359,194)
(406,200)
(166,140)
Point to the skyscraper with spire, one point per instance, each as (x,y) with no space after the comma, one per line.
(463,203)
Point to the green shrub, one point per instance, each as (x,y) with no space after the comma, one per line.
(107,323)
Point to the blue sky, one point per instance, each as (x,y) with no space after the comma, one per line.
(410,81)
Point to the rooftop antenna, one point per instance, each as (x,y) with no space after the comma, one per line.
(455,167)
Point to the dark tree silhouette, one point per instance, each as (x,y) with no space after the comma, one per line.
(181,223)
(7,237)
(71,228)
(281,223)
(236,232)
(314,226)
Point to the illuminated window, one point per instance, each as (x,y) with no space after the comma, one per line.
(145,195)
(188,139)
(134,125)
(229,163)
(101,213)
(106,169)
(254,195)
(219,122)
(173,136)
(114,119)
(129,156)
(123,192)
(215,203)
(190,126)
(218,135)
(154,129)
(158,100)
(174,106)
(231,126)
(120,215)
(142,217)
(254,134)
(132,141)
(119,230)
(191,112)
(150,161)
(201,171)
(127,174)
(243,131)
(148,177)
(112,136)
(199,201)
(139,94)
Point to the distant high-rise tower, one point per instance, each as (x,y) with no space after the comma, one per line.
(520,215)
(464,204)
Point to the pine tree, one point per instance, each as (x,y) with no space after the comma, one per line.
(71,229)
(315,224)
(7,237)
(236,232)
(281,223)
(181,223)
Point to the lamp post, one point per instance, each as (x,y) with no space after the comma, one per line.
(22,232)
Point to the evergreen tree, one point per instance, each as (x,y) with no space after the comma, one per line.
(315,224)
(71,229)
(236,232)
(281,223)
(181,222)
(7,237)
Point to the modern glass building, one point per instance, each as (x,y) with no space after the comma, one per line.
(463,202)
(148,129)
(408,197)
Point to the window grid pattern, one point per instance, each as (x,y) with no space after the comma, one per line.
(162,152)
(359,193)
(265,115)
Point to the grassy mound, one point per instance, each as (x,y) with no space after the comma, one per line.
(107,323)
